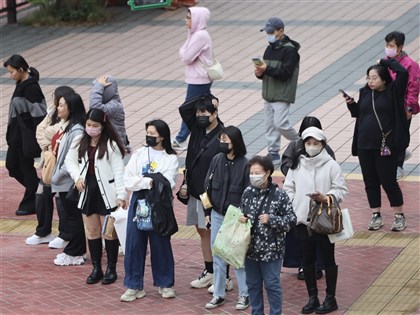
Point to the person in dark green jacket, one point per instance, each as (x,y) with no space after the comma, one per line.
(279,74)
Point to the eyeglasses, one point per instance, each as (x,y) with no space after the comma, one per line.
(372,78)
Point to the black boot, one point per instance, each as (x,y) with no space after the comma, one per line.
(111,247)
(310,280)
(330,303)
(95,249)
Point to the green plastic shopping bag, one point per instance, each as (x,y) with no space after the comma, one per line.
(232,240)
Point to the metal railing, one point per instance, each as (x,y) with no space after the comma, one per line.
(10,6)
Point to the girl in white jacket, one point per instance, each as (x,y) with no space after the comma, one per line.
(315,176)
(96,165)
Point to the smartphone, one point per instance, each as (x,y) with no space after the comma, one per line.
(208,226)
(344,93)
(257,61)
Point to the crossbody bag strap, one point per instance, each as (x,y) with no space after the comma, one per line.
(384,135)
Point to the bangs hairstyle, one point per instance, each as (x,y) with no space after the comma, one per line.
(59,93)
(235,135)
(205,103)
(18,62)
(264,161)
(383,73)
(76,108)
(163,130)
(397,36)
(108,133)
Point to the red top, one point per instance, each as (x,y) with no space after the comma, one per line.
(54,142)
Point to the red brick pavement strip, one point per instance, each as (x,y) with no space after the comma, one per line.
(31,284)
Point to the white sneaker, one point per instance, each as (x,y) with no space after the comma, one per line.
(229,286)
(58,242)
(180,146)
(130,295)
(203,281)
(66,260)
(36,240)
(167,293)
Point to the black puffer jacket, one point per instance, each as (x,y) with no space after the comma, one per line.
(229,178)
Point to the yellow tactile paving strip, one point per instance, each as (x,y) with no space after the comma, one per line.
(397,290)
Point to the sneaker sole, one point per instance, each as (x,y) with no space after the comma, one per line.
(398,229)
(242,307)
(211,306)
(133,298)
(375,228)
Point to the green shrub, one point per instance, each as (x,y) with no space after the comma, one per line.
(56,12)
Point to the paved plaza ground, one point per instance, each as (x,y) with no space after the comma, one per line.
(378,271)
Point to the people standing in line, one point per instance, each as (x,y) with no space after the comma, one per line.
(293,252)
(394,45)
(381,133)
(196,53)
(201,117)
(226,179)
(279,72)
(150,170)
(96,166)
(26,110)
(271,214)
(72,111)
(104,96)
(317,175)
(44,204)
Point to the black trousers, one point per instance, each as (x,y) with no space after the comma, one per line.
(77,242)
(44,213)
(380,171)
(309,245)
(401,156)
(23,170)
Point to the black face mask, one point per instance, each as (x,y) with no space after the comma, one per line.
(224,147)
(151,141)
(203,121)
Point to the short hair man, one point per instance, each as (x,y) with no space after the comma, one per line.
(394,44)
(279,74)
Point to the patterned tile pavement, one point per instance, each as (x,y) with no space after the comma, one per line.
(379,271)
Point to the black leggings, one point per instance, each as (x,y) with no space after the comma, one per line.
(380,170)
(309,246)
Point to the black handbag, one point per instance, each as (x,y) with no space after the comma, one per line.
(325,218)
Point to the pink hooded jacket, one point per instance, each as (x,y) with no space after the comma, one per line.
(197,49)
(413,85)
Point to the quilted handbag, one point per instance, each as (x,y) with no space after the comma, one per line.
(325,218)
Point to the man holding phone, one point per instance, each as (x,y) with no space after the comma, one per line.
(279,74)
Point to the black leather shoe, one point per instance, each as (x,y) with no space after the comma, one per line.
(311,306)
(300,275)
(329,305)
(25,212)
(110,275)
(96,275)
(318,274)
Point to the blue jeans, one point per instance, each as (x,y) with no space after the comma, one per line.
(193,91)
(259,273)
(161,256)
(219,265)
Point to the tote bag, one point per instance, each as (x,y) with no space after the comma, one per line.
(232,240)
(347,231)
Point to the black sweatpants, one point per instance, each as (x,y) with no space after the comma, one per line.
(23,170)
(380,171)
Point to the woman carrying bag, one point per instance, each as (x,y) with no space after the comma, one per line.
(72,110)
(156,160)
(271,215)
(44,204)
(226,179)
(315,176)
(96,166)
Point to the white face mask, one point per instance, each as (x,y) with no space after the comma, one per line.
(257,180)
(271,38)
(313,150)
(390,52)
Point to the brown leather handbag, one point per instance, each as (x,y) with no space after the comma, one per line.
(325,218)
